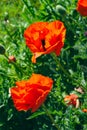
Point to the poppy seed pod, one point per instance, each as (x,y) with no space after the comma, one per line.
(2,50)
(60,9)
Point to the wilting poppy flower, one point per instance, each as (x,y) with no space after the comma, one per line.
(72,99)
(82,7)
(79,89)
(84,110)
(44,38)
(32,93)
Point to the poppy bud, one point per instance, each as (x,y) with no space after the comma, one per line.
(2,50)
(60,9)
(11,59)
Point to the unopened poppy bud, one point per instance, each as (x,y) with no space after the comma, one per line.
(60,9)
(2,50)
(11,59)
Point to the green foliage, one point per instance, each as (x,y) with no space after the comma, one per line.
(15,17)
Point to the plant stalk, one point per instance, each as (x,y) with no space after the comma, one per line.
(60,65)
(50,116)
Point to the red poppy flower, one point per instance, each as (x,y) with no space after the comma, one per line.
(71,99)
(32,93)
(44,38)
(84,110)
(82,7)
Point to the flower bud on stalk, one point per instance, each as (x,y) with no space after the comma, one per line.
(11,59)
(60,9)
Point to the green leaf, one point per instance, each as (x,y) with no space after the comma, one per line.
(36,114)
(1,124)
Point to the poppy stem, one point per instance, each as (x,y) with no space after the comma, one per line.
(60,65)
(50,116)
(6,57)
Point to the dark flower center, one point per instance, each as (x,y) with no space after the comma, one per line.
(43,45)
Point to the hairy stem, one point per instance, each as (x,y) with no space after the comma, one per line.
(60,65)
(50,116)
